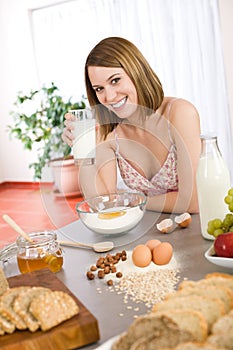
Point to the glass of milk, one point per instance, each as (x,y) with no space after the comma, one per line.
(84,144)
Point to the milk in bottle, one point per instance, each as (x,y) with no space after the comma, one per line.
(213,183)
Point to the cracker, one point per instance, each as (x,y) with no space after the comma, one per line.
(6,325)
(6,306)
(50,309)
(21,306)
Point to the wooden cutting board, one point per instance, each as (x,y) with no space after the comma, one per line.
(80,330)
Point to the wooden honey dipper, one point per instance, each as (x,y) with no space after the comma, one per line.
(49,259)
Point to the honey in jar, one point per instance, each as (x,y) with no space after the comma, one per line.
(43,252)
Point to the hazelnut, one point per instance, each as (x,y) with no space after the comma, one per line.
(90,275)
(101,274)
(119,275)
(107,270)
(93,268)
(113,269)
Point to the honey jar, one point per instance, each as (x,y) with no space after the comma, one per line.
(43,252)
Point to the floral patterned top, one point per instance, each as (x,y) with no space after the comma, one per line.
(164,181)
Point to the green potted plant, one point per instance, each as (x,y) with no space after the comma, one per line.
(38,124)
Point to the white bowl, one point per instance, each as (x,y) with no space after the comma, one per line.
(112,213)
(217,260)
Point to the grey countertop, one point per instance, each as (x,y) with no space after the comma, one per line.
(108,307)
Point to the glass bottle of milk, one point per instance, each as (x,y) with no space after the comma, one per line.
(213,183)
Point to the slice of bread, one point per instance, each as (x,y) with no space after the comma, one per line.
(223,340)
(224,324)
(190,321)
(163,329)
(3,282)
(155,343)
(21,306)
(122,343)
(6,306)
(219,274)
(211,309)
(224,294)
(212,280)
(50,309)
(144,328)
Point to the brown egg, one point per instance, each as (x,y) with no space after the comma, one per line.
(141,255)
(152,243)
(162,254)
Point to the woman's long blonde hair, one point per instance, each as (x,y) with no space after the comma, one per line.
(119,52)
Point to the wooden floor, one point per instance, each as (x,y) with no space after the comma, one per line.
(34,207)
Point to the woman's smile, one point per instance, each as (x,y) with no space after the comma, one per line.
(119,104)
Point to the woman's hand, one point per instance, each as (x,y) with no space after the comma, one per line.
(67,135)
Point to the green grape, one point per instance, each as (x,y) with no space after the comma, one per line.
(229,217)
(211,228)
(217,223)
(228,222)
(230,206)
(216,226)
(218,232)
(228,199)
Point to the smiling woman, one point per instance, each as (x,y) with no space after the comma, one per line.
(151,140)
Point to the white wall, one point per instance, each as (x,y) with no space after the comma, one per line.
(18,72)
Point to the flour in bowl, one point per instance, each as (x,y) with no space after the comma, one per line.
(114,220)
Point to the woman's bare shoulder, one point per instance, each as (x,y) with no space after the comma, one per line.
(108,143)
(179,110)
(181,105)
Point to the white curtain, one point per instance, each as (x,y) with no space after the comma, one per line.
(181,39)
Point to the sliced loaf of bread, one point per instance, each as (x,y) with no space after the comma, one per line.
(211,309)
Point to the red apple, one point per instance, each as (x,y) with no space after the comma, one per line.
(223,245)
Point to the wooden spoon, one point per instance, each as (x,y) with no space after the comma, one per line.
(97,247)
(16,227)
